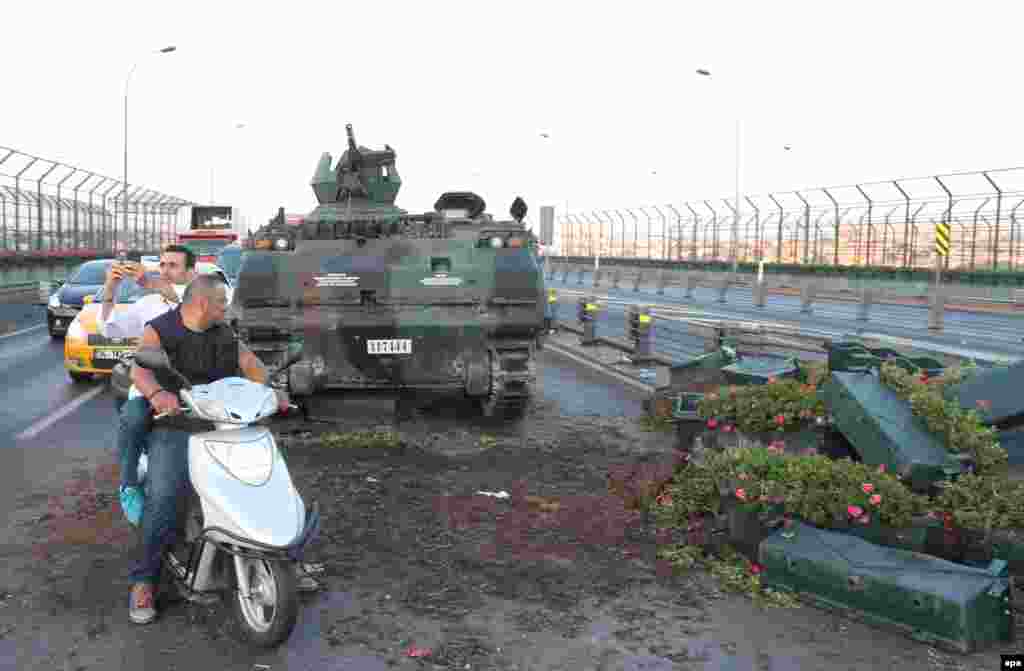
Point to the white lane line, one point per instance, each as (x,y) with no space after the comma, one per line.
(59,414)
(601,369)
(14,333)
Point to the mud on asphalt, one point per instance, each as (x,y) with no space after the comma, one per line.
(424,572)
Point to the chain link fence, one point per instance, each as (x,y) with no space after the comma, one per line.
(888,223)
(49,208)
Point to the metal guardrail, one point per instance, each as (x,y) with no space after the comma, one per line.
(811,289)
(673,337)
(41,291)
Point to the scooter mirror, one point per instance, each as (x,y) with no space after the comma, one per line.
(153,359)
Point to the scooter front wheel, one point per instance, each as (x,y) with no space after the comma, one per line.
(267,616)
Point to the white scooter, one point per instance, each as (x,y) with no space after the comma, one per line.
(244,527)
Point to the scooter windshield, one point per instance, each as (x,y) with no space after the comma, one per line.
(234,400)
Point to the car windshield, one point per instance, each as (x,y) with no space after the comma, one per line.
(206,247)
(230,260)
(90,273)
(129,290)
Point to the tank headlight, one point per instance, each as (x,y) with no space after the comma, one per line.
(496,242)
(281,243)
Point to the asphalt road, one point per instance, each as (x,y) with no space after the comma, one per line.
(993,334)
(49,419)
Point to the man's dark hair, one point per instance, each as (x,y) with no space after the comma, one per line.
(202,285)
(190,256)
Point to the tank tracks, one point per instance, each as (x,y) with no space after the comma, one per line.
(513,372)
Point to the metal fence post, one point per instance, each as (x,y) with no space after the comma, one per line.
(640,329)
(586,314)
(637,280)
(807,294)
(867,297)
(691,284)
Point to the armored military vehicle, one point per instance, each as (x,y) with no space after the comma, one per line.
(381,301)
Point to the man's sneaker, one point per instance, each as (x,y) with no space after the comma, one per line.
(304,581)
(142,609)
(132,501)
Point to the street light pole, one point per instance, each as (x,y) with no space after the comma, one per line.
(736,207)
(124,192)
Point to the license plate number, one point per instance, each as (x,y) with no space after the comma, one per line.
(403,346)
(112,355)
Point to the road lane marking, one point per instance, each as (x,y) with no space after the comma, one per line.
(14,333)
(59,414)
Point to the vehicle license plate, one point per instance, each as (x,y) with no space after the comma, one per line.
(403,346)
(112,354)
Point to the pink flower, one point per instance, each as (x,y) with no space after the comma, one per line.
(881,468)
(779,445)
(984,405)
(712,423)
(780,419)
(664,499)
(755,568)
(875,500)
(413,651)
(741,494)
(774,450)
(864,519)
(727,428)
(867,487)
(854,511)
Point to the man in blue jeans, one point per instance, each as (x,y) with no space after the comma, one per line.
(177,269)
(203,349)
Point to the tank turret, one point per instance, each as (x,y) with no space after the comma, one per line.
(364,181)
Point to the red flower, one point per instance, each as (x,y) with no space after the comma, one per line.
(413,651)
(712,423)
(854,511)
(771,380)
(780,419)
(867,488)
(756,568)
(741,494)
(664,499)
(875,500)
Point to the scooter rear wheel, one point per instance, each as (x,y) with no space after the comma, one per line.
(267,617)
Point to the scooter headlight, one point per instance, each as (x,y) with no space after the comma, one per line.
(251,462)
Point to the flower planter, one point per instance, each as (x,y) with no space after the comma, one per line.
(976,547)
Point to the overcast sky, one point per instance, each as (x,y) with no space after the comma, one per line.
(861,91)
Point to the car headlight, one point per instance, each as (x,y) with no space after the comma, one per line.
(281,243)
(76,332)
(496,242)
(55,301)
(251,462)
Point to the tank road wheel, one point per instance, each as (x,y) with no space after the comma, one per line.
(512,375)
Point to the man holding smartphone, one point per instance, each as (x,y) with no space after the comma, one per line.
(177,269)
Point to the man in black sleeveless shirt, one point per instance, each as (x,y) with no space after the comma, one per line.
(204,349)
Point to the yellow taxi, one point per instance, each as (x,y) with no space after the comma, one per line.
(88,354)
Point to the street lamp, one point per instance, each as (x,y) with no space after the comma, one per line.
(124,193)
(736,207)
